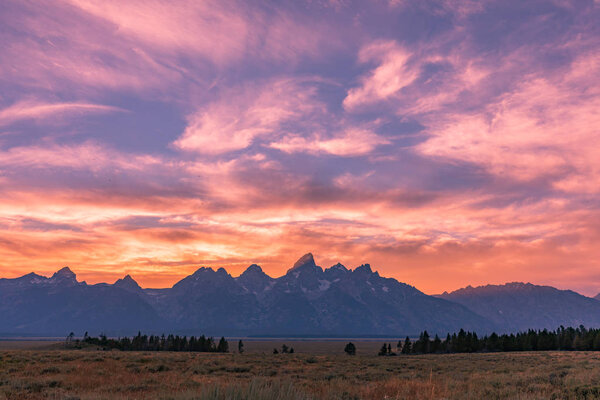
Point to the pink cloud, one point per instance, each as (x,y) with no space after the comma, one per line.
(83,46)
(215,29)
(246,114)
(395,79)
(547,125)
(35,110)
(391,75)
(220,31)
(351,142)
(60,48)
(286,113)
(91,156)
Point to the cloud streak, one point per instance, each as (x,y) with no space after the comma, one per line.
(33,110)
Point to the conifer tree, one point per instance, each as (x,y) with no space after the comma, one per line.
(383,350)
(436,346)
(350,349)
(223,346)
(407,347)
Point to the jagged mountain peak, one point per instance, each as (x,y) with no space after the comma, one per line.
(33,276)
(306,259)
(206,278)
(253,269)
(337,271)
(337,267)
(203,271)
(254,279)
(64,275)
(364,268)
(305,263)
(210,270)
(127,282)
(222,271)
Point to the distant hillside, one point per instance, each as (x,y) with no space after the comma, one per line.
(519,306)
(34,304)
(306,300)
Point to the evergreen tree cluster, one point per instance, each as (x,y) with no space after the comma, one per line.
(159,343)
(386,350)
(567,339)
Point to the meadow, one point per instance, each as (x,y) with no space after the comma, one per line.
(316,370)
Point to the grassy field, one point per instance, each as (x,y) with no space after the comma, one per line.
(315,371)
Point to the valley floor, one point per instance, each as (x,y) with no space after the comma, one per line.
(258,374)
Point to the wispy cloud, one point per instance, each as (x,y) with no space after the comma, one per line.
(352,142)
(546,126)
(284,114)
(391,75)
(245,114)
(87,155)
(35,110)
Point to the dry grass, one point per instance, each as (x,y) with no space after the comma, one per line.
(77,374)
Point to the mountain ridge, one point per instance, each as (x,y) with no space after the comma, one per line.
(306,300)
(517,306)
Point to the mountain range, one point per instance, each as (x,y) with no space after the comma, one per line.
(307,300)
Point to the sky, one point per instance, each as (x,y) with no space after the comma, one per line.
(447,143)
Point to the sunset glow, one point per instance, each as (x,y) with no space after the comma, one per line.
(446,142)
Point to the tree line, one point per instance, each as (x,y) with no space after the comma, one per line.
(566,339)
(159,343)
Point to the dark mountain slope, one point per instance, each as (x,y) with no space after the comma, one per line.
(34,304)
(520,306)
(307,300)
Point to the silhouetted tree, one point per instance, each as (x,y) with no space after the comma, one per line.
(223,346)
(407,347)
(350,349)
(383,351)
(240,346)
